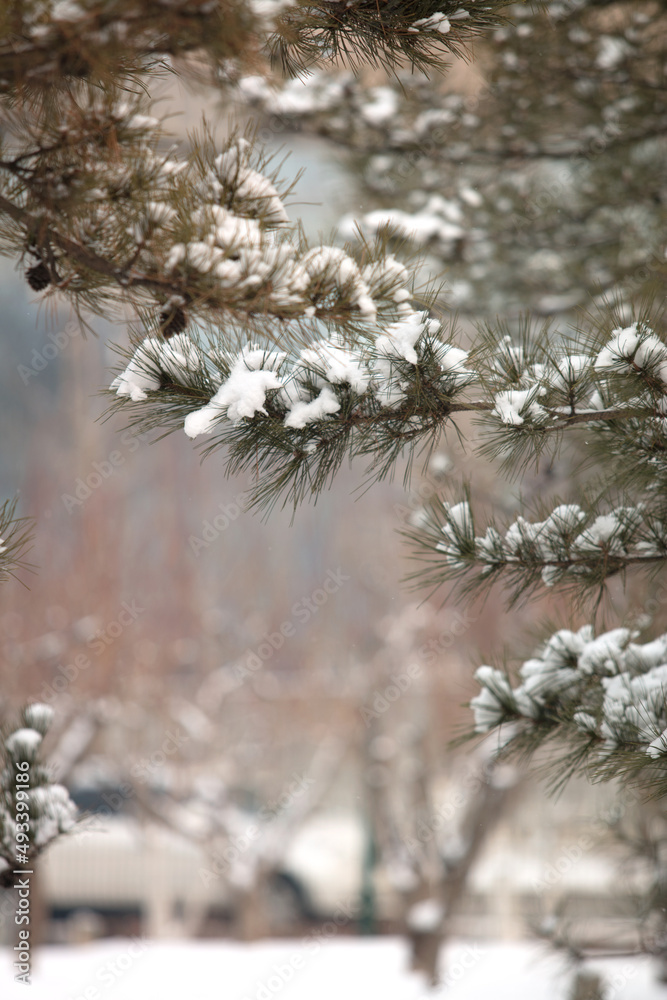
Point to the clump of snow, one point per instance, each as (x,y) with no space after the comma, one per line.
(514,405)
(400,338)
(54,813)
(248,185)
(611,52)
(303,413)
(457,529)
(66,10)
(569,369)
(606,653)
(152,357)
(140,377)
(242,394)
(629,347)
(611,531)
(592,680)
(330,267)
(586,722)
(435,22)
(453,361)
(431,223)
(426,916)
(39,716)
(490,706)
(658,747)
(382,107)
(388,277)
(337,363)
(23,743)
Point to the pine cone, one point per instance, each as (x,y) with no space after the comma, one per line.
(38,276)
(172,321)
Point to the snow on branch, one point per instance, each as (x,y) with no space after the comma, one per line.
(34,810)
(204,237)
(418,32)
(602,697)
(570,548)
(293,414)
(528,394)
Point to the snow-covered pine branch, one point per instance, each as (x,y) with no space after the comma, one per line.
(34,809)
(49,44)
(205,237)
(572,548)
(294,414)
(602,698)
(418,32)
(616,390)
(97,208)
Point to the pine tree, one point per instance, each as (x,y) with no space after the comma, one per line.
(100,208)
(295,358)
(292,359)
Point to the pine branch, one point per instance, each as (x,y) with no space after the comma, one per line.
(392,389)
(601,700)
(16,536)
(292,417)
(570,550)
(209,232)
(387,33)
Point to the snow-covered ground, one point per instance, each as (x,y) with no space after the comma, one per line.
(333,969)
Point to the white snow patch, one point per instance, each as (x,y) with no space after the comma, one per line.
(317,409)
(23,743)
(242,394)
